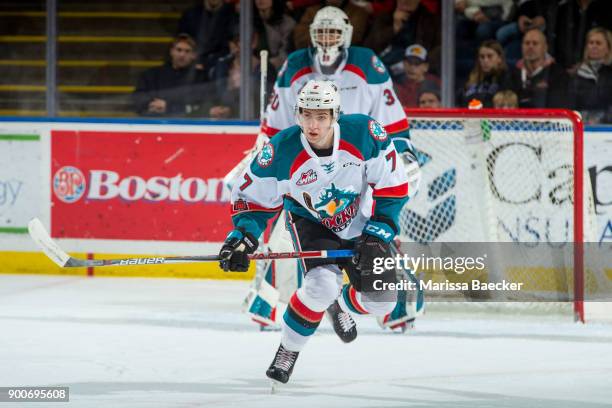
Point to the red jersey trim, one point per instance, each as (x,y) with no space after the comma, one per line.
(301,73)
(355,70)
(344,145)
(398,126)
(395,191)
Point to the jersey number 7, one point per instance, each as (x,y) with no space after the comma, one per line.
(391,156)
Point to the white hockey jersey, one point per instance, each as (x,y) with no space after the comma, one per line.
(329,190)
(363,81)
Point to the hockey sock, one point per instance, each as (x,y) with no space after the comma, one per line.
(349,300)
(299,323)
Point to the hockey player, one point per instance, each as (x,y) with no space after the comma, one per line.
(320,172)
(365,87)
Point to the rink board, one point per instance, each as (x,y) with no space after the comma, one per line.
(119,188)
(161,191)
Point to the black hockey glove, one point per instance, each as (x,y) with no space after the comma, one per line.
(373,243)
(234,254)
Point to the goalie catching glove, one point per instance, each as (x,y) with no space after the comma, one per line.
(234,254)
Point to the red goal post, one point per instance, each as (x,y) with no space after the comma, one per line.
(426,124)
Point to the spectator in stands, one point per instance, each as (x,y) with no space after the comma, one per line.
(274,29)
(592,85)
(482,17)
(574,18)
(173,89)
(410,23)
(375,7)
(506,99)
(225,74)
(490,74)
(296,8)
(209,23)
(537,80)
(415,75)
(357,16)
(531,14)
(429,97)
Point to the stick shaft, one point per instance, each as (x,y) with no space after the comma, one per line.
(263,68)
(159,260)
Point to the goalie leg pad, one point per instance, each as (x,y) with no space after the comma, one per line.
(261,304)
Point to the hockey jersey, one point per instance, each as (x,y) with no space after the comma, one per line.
(330,190)
(364,85)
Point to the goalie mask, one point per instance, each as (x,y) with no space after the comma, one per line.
(318,95)
(330,32)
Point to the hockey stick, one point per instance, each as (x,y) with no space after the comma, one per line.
(41,237)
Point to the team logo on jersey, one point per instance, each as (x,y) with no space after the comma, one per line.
(307,177)
(328,167)
(265,157)
(378,64)
(336,208)
(69,184)
(377,131)
(240,205)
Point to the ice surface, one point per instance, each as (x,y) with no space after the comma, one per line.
(184,343)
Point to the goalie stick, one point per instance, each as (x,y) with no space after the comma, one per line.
(41,237)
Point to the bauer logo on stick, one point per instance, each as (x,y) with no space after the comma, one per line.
(69,184)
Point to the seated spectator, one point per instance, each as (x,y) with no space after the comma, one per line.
(274,29)
(225,74)
(210,24)
(531,14)
(357,16)
(592,85)
(173,89)
(505,100)
(537,80)
(429,97)
(416,75)
(375,7)
(573,19)
(481,18)
(410,23)
(490,74)
(296,8)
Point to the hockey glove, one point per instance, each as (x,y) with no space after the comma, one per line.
(234,254)
(374,242)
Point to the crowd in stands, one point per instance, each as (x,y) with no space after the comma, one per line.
(509,53)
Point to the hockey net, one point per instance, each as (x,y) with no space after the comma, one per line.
(513,177)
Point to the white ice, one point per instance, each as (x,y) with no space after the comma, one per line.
(184,343)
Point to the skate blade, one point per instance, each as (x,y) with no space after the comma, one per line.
(276,386)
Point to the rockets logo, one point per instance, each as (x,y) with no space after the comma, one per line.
(336,208)
(378,65)
(377,131)
(265,156)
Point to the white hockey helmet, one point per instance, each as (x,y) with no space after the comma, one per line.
(319,95)
(330,32)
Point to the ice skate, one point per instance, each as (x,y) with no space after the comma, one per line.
(344,325)
(282,366)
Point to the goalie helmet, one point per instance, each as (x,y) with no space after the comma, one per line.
(330,32)
(319,95)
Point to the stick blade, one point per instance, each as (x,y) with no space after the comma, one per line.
(41,237)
